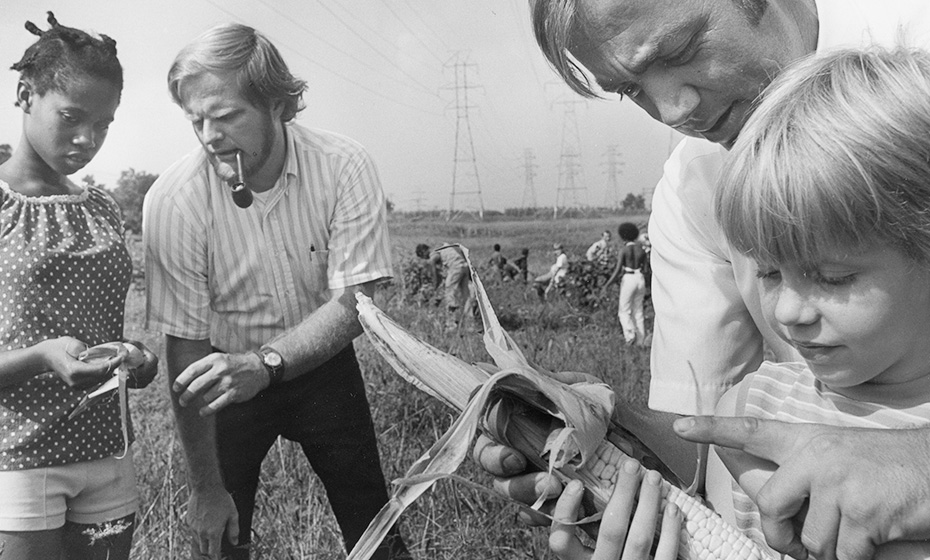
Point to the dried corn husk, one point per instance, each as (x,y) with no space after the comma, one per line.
(560,427)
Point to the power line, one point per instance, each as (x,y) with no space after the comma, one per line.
(532,55)
(335,47)
(336,73)
(376,32)
(426,25)
(411,31)
(377,50)
(357,19)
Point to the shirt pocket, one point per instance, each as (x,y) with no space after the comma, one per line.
(316,271)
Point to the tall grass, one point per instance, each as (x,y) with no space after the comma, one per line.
(293,518)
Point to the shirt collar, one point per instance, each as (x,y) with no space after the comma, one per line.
(291,169)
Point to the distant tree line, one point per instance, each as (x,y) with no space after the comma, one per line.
(132,186)
(129,192)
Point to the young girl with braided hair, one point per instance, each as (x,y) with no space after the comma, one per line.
(64,273)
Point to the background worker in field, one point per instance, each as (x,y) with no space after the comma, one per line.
(522,264)
(544,283)
(258,303)
(502,269)
(629,272)
(599,251)
(450,270)
(698,66)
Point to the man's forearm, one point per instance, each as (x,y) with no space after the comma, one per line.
(323,334)
(197,433)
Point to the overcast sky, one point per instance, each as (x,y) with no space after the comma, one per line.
(382,72)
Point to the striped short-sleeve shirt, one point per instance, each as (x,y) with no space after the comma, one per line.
(789,392)
(241,276)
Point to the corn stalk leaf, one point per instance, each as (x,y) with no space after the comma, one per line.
(582,412)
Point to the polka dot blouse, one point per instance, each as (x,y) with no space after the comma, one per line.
(64,271)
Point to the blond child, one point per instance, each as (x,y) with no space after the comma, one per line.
(828,190)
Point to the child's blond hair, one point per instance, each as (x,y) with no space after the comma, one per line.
(837,155)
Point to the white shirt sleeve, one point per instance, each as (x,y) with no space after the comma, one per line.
(359,244)
(705,338)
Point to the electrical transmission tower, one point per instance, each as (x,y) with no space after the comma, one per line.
(465,180)
(529,173)
(614,169)
(571,180)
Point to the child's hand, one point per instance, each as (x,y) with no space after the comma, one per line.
(618,536)
(142,364)
(61,357)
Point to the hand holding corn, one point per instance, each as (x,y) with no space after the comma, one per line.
(619,536)
(64,356)
(566,430)
(141,363)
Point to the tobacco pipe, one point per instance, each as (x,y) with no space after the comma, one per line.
(241,194)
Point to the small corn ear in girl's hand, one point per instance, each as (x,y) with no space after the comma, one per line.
(131,356)
(105,351)
(135,356)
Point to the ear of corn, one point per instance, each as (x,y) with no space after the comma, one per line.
(131,357)
(560,428)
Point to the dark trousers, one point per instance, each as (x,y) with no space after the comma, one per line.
(326,412)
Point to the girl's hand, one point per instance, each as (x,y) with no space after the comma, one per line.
(60,356)
(619,538)
(142,364)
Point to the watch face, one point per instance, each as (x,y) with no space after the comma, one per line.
(273,359)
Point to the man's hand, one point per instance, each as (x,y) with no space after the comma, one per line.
(209,513)
(852,489)
(507,466)
(221,379)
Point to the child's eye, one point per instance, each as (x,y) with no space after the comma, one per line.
(68,118)
(768,273)
(834,279)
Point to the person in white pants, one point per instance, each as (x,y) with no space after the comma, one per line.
(629,270)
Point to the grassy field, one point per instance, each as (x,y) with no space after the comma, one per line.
(452,521)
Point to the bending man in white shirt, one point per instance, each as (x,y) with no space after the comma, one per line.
(698,66)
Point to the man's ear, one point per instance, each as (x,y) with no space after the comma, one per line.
(24,95)
(277,109)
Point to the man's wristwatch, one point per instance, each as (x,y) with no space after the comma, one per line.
(273,362)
